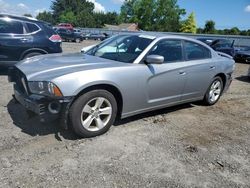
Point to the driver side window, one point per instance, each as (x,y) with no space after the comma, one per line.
(170,49)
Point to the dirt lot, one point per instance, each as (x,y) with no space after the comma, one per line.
(186,146)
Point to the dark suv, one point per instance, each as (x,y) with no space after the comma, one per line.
(220,45)
(23,37)
(69,35)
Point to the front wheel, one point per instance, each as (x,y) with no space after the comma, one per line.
(78,40)
(93,113)
(214,91)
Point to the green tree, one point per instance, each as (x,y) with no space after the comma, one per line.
(127,11)
(47,17)
(28,15)
(189,25)
(143,15)
(157,15)
(209,27)
(199,30)
(167,16)
(68,17)
(77,7)
(106,18)
(234,31)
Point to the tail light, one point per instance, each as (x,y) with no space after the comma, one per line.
(55,38)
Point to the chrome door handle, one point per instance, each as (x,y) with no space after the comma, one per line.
(212,67)
(182,73)
(24,39)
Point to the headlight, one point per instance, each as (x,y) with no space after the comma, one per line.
(45,88)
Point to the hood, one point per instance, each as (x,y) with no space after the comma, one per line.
(47,67)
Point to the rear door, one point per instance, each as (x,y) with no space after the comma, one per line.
(199,68)
(13,40)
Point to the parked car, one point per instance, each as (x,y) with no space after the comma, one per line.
(69,35)
(126,75)
(95,36)
(242,55)
(23,37)
(221,45)
(65,26)
(78,31)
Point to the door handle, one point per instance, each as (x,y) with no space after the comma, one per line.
(212,67)
(24,39)
(182,73)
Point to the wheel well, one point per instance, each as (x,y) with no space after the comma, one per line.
(33,51)
(223,77)
(112,89)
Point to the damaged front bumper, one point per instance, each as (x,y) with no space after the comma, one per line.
(48,109)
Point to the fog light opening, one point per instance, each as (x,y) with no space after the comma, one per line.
(54,107)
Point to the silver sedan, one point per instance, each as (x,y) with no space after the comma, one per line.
(123,76)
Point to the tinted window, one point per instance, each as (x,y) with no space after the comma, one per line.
(196,51)
(171,50)
(32,27)
(48,29)
(222,43)
(10,26)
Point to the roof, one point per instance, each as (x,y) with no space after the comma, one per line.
(18,17)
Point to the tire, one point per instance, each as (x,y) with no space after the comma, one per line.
(87,114)
(78,40)
(214,91)
(32,54)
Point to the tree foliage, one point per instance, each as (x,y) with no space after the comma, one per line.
(28,15)
(47,17)
(209,27)
(151,15)
(80,13)
(127,11)
(157,15)
(189,25)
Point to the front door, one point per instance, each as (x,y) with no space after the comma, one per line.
(165,82)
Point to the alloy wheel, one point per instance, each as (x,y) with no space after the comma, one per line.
(215,91)
(96,114)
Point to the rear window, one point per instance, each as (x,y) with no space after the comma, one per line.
(196,51)
(11,26)
(48,29)
(32,27)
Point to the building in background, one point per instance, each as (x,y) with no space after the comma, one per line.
(123,27)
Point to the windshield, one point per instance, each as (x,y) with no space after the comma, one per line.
(222,43)
(123,48)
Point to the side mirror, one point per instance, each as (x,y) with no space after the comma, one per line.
(155,59)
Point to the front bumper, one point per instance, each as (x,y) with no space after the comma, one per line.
(47,109)
(229,80)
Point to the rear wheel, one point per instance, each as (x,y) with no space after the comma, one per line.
(78,40)
(93,113)
(214,91)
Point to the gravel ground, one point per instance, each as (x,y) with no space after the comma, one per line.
(185,146)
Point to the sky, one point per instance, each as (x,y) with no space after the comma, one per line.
(226,13)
